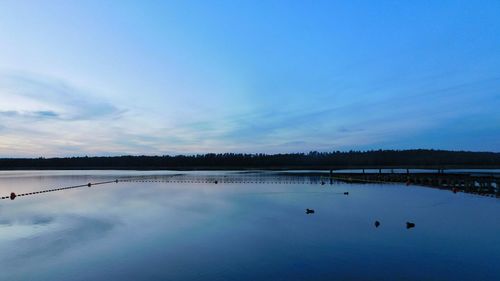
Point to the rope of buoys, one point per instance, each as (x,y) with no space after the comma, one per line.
(227,180)
(214,180)
(13,195)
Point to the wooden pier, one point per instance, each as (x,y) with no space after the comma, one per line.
(482,184)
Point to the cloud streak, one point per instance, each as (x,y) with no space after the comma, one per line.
(140,79)
(49,116)
(53,118)
(36,96)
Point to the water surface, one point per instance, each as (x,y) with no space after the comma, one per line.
(249,226)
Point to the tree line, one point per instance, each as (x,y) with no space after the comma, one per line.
(418,158)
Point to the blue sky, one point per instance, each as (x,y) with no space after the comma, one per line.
(169,77)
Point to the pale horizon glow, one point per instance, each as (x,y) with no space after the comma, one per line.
(185,77)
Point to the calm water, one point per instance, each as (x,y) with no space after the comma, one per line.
(241,231)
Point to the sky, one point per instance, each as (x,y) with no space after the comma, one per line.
(184,77)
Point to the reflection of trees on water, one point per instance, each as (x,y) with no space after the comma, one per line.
(475,185)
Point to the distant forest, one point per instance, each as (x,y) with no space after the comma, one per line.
(313,160)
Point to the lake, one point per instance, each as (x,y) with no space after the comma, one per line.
(170,225)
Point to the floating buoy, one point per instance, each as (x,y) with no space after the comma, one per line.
(309,211)
(12,196)
(89,184)
(215,182)
(322,183)
(409,225)
(116,181)
(377,223)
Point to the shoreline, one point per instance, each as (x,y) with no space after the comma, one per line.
(286,168)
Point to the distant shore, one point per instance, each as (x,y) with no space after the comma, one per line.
(294,168)
(375,159)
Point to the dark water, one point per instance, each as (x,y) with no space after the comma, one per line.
(487,172)
(241,231)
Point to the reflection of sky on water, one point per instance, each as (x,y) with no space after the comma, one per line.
(158,231)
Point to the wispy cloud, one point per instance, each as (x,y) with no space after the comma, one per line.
(125,84)
(42,116)
(49,116)
(31,95)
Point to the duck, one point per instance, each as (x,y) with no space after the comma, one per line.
(346,193)
(309,211)
(377,223)
(12,196)
(409,225)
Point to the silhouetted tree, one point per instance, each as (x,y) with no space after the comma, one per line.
(417,158)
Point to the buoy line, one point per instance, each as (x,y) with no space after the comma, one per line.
(90,184)
(222,181)
(214,180)
(13,195)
